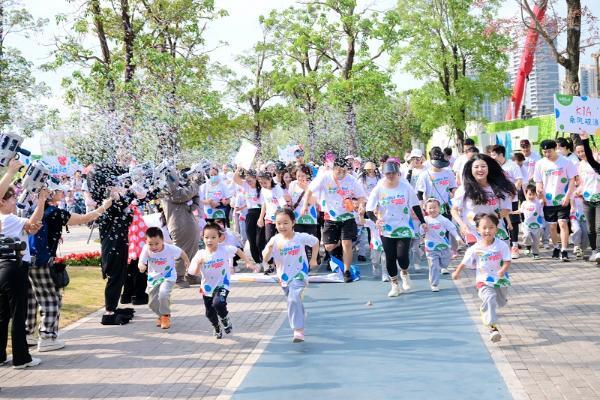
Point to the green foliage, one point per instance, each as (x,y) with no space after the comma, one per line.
(462,62)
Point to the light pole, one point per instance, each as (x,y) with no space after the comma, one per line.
(596,56)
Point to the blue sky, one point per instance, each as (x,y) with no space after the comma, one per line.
(240,29)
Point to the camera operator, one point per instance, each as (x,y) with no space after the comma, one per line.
(13,272)
(179,206)
(113,229)
(44,293)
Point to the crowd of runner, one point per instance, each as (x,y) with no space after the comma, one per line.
(287,219)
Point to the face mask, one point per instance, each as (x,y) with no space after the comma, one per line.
(214,179)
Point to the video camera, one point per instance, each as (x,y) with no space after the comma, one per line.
(198,170)
(11,248)
(35,179)
(10,145)
(164,175)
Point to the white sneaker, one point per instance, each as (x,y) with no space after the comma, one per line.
(395,290)
(445,271)
(495,336)
(594,256)
(49,344)
(435,288)
(6,362)
(578,252)
(34,361)
(32,340)
(405,281)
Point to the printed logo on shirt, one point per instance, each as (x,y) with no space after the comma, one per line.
(491,256)
(398,200)
(554,172)
(290,251)
(214,264)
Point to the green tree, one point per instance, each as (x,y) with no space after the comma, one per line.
(19,90)
(462,62)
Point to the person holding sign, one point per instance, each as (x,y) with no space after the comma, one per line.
(337,188)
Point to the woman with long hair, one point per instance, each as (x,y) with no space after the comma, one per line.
(485,189)
(589,189)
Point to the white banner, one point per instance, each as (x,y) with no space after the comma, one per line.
(245,155)
(575,114)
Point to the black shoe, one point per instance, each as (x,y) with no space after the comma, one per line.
(564,256)
(227,326)
(362,258)
(125,299)
(125,311)
(218,332)
(556,253)
(347,277)
(269,270)
(115,319)
(139,300)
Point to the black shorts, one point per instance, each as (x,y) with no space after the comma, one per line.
(333,231)
(554,213)
(515,219)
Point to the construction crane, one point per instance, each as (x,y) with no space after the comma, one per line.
(516,107)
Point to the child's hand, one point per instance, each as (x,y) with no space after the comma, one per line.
(455,275)
(313,264)
(256,267)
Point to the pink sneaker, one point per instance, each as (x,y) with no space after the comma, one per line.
(514,252)
(298,335)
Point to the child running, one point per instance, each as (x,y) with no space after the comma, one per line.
(159,258)
(288,251)
(491,257)
(533,221)
(214,264)
(437,243)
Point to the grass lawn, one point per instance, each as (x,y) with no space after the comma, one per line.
(84,295)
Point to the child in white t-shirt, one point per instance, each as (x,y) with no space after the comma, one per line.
(377,253)
(437,242)
(288,251)
(230,238)
(491,258)
(213,263)
(159,258)
(533,220)
(579,235)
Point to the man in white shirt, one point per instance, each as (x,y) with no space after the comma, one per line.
(530,159)
(554,178)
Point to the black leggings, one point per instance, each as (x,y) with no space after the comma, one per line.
(270,231)
(396,250)
(515,220)
(254,234)
(216,305)
(592,215)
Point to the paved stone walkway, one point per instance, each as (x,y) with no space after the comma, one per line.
(140,361)
(550,328)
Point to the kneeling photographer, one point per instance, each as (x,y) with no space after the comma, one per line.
(14,266)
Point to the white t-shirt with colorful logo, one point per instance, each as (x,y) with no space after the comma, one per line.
(394,206)
(369,183)
(376,242)
(438,229)
(216,192)
(290,256)
(335,194)
(590,182)
(251,197)
(274,199)
(437,185)
(554,176)
(488,260)
(312,215)
(533,214)
(161,265)
(468,209)
(214,267)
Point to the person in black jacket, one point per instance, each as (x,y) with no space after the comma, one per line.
(113,228)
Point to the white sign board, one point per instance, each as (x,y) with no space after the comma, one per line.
(245,155)
(576,114)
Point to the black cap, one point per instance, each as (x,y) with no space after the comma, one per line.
(548,144)
(437,158)
(469,142)
(341,162)
(265,174)
(390,167)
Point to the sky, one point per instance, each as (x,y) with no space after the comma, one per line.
(240,30)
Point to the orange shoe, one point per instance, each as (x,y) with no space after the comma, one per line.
(158,323)
(165,322)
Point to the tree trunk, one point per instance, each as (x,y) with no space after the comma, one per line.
(351,128)
(106,58)
(128,39)
(573,42)
(459,139)
(312,133)
(4,117)
(257,133)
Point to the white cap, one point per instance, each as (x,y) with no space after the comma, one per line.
(358,159)
(416,153)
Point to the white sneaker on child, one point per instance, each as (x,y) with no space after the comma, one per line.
(445,271)
(405,281)
(435,288)
(578,252)
(495,336)
(49,344)
(395,291)
(594,256)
